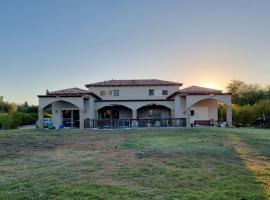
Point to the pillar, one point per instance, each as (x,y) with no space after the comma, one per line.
(176,111)
(229,115)
(92,107)
(92,111)
(40,118)
(81,118)
(134,118)
(188,120)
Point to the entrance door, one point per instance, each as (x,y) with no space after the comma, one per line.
(76,118)
(71,118)
(67,118)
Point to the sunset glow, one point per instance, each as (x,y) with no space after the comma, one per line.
(204,43)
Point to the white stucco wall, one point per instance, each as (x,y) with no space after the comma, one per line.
(45,101)
(205,110)
(57,108)
(134,92)
(133,105)
(179,107)
(192,99)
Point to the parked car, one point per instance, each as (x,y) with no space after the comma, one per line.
(46,122)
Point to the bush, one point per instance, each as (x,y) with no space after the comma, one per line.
(13,120)
(2,118)
(248,114)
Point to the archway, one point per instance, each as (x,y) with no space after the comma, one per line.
(154,115)
(114,111)
(153,111)
(114,115)
(205,111)
(64,114)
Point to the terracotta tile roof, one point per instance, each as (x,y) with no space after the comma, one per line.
(200,90)
(70,92)
(196,90)
(137,82)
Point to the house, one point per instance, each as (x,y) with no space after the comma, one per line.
(134,103)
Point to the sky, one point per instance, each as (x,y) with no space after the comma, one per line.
(58,44)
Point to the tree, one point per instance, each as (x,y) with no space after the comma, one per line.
(244,94)
(12,108)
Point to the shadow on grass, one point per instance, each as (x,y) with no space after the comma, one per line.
(256,163)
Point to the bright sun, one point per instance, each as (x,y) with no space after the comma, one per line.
(211,85)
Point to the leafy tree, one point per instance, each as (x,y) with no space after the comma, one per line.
(12,108)
(244,94)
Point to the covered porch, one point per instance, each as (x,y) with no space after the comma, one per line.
(202,110)
(135,115)
(69,107)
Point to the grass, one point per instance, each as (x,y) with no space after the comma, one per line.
(135,164)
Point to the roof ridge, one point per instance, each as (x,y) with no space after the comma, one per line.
(134,82)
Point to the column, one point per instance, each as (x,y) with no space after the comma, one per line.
(92,111)
(188,120)
(81,118)
(134,118)
(92,107)
(229,115)
(40,118)
(177,114)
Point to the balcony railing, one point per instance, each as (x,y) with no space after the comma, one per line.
(128,123)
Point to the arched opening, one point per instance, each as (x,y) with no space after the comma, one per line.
(64,115)
(209,112)
(154,115)
(114,112)
(153,111)
(114,116)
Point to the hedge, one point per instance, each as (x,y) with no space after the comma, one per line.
(247,115)
(13,120)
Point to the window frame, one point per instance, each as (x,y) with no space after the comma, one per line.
(166,92)
(106,93)
(151,92)
(116,92)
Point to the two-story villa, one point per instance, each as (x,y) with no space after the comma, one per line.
(134,103)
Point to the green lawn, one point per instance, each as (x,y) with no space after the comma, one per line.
(135,164)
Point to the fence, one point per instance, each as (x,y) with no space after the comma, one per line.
(128,123)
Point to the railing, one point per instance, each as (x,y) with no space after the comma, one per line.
(68,122)
(128,123)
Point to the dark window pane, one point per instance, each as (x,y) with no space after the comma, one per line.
(151,92)
(116,93)
(164,92)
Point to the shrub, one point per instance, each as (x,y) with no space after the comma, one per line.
(248,114)
(13,120)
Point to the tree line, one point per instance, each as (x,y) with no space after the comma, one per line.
(13,115)
(251,104)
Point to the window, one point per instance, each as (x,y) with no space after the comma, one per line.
(151,92)
(192,112)
(164,92)
(155,113)
(115,92)
(105,93)
(110,114)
